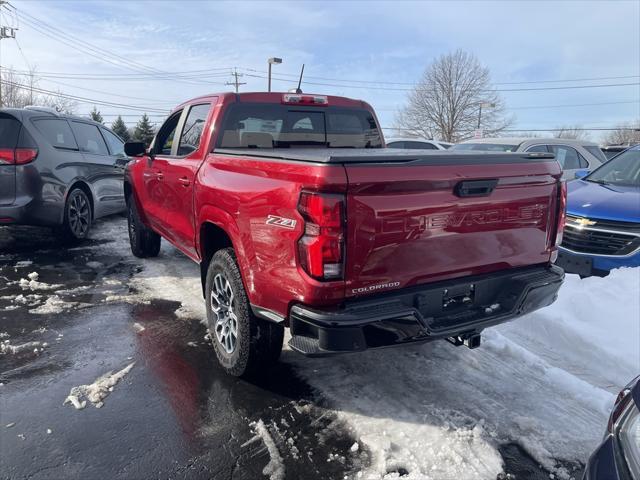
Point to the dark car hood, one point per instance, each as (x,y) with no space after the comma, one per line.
(609,202)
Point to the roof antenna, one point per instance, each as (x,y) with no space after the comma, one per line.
(299,90)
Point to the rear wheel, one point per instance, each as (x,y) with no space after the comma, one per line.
(144,241)
(77,216)
(244,344)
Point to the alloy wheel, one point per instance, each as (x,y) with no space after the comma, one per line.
(222,306)
(79,215)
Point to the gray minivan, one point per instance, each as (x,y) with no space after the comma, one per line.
(58,170)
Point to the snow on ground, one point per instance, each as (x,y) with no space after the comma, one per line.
(275,468)
(545,381)
(7,348)
(97,391)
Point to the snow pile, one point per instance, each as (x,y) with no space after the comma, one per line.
(275,468)
(593,329)
(7,348)
(54,304)
(97,391)
(32,283)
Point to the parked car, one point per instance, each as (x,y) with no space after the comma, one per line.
(572,155)
(618,456)
(58,170)
(417,143)
(315,226)
(603,218)
(611,151)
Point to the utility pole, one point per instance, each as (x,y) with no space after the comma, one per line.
(236,83)
(5,32)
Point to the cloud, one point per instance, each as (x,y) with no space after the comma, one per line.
(377,41)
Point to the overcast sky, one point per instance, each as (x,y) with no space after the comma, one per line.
(348,43)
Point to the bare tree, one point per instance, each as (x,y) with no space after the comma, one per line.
(626,134)
(574,132)
(453,93)
(18,91)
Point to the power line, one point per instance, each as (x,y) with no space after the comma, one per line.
(85,99)
(296,75)
(422,89)
(555,129)
(157,101)
(528,107)
(89,49)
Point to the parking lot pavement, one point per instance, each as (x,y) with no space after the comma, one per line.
(70,317)
(175,414)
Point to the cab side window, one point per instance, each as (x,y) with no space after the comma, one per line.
(192,130)
(163,143)
(89,138)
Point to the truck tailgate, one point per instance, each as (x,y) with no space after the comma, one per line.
(423,221)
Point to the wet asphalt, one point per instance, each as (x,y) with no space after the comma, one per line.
(176,414)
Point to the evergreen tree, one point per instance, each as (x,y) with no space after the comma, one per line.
(120,129)
(95,115)
(144,131)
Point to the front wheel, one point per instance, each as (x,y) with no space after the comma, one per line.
(144,241)
(244,344)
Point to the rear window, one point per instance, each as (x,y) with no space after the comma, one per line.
(596,152)
(255,125)
(485,147)
(9,130)
(57,132)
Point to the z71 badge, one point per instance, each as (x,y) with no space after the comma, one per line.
(281,222)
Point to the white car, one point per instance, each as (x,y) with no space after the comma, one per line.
(572,155)
(417,143)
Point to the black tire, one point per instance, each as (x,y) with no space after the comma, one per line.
(78,216)
(258,343)
(144,241)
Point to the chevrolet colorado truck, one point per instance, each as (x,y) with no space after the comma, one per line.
(300,218)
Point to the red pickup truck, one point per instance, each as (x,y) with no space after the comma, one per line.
(300,218)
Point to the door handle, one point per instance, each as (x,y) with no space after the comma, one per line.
(184,181)
(159,175)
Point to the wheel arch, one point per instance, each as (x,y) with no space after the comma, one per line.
(224,233)
(211,238)
(86,188)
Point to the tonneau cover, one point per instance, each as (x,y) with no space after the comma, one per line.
(387,155)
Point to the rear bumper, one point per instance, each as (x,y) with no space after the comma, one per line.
(28,211)
(455,308)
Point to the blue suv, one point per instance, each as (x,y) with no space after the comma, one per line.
(602,231)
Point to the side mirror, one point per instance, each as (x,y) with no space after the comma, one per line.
(582,173)
(134,149)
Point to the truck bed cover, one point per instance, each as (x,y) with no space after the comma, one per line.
(384,155)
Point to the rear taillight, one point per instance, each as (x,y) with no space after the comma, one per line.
(25,155)
(623,399)
(321,247)
(19,156)
(6,156)
(562,212)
